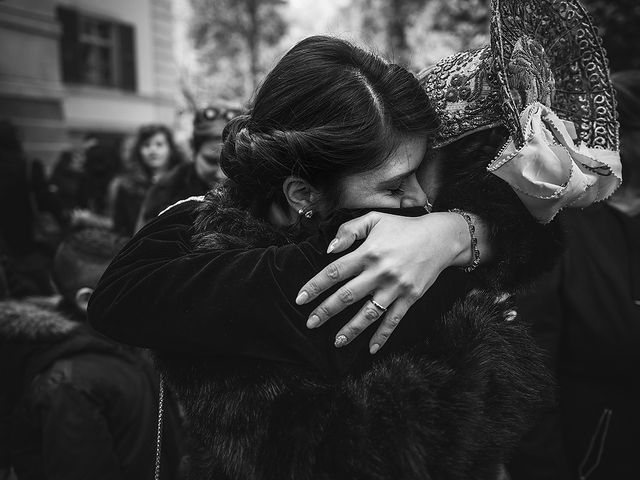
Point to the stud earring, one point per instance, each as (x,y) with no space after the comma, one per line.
(307,214)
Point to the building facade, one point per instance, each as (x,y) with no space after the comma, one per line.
(72,69)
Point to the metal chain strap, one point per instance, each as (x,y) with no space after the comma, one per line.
(159,432)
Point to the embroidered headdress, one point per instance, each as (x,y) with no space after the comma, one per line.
(545,77)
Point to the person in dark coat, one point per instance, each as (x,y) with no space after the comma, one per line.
(195,178)
(154,154)
(16,207)
(24,227)
(74,404)
(587,316)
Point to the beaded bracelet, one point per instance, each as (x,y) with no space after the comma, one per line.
(474,241)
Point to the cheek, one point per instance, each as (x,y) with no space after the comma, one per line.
(427,176)
(354,197)
(165,151)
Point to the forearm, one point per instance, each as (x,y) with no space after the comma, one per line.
(158,293)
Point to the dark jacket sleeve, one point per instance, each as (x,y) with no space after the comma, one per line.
(159,293)
(541,452)
(76,441)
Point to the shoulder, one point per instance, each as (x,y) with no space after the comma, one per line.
(186,205)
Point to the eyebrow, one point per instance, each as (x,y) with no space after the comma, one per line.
(399,176)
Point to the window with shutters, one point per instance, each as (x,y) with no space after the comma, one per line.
(96,51)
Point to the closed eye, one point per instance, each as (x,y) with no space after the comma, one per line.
(398,190)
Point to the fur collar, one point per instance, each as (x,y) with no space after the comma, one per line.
(21,321)
(453,409)
(223,222)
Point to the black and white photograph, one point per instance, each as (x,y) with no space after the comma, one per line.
(319,239)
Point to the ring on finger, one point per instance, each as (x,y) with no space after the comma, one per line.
(378,306)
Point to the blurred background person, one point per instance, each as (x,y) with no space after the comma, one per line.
(16,213)
(99,165)
(28,224)
(154,154)
(66,181)
(587,315)
(196,177)
(75,405)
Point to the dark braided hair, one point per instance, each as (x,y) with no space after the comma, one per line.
(328,109)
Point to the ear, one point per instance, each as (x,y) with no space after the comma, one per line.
(300,194)
(82,298)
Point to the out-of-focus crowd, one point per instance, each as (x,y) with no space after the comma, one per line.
(92,187)
(74,404)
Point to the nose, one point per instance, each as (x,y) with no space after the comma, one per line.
(414,195)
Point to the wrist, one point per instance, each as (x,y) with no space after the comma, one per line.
(470,256)
(453,239)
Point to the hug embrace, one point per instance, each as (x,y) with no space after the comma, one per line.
(411,206)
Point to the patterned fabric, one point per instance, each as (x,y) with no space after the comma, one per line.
(466,92)
(552,49)
(545,53)
(549,171)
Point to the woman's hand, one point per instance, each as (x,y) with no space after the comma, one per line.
(398,262)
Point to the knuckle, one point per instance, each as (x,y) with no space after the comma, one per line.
(384,334)
(391,275)
(347,229)
(413,294)
(371,314)
(371,255)
(313,288)
(405,285)
(352,331)
(323,311)
(333,271)
(345,295)
(393,322)
(342,230)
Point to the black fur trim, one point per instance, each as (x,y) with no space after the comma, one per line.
(222,223)
(453,408)
(22,322)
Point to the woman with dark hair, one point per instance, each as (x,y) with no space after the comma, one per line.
(196,177)
(154,153)
(333,132)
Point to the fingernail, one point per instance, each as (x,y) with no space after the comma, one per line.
(374,349)
(341,341)
(332,245)
(313,321)
(302,298)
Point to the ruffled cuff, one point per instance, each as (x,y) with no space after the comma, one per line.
(550,172)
